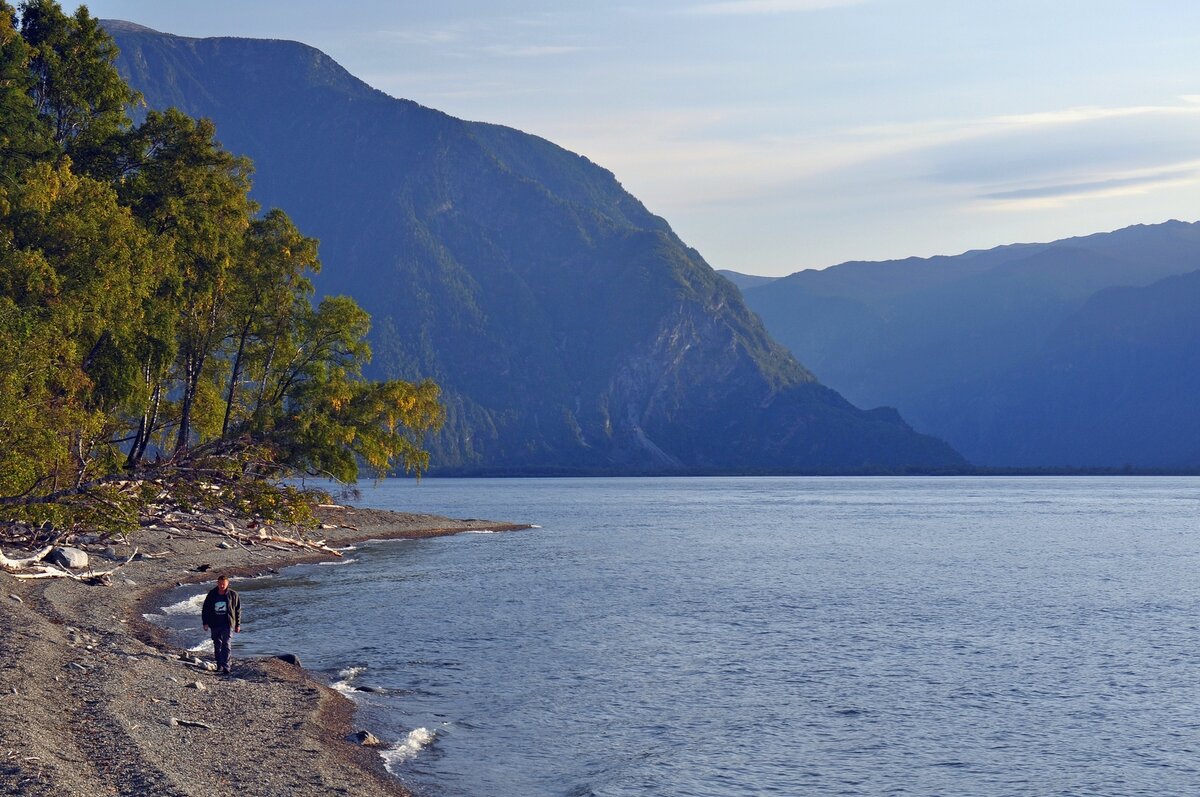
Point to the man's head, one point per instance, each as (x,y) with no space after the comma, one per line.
(222,583)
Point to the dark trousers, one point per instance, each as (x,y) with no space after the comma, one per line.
(220,638)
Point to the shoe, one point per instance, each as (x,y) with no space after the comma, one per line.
(224,671)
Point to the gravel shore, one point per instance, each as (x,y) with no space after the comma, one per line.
(91,699)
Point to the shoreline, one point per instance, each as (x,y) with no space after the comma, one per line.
(91,693)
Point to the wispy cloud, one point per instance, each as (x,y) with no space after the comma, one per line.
(426,37)
(681,158)
(1047,197)
(756,7)
(532,50)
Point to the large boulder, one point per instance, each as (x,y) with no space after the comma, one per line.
(70,558)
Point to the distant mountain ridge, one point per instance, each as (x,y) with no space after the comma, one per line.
(571,329)
(1014,355)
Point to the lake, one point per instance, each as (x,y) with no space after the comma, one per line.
(738,636)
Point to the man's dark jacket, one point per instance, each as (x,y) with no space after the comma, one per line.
(232,616)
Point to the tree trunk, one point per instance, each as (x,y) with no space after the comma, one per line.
(190,370)
(145,428)
(234,376)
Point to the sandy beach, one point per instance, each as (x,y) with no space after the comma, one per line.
(93,702)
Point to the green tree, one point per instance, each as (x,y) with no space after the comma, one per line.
(324,419)
(23,138)
(270,291)
(143,302)
(73,274)
(187,189)
(75,87)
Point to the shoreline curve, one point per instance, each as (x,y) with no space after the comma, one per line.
(92,695)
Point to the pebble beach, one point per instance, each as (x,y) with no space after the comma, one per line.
(93,701)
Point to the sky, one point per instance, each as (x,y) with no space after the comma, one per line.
(778,135)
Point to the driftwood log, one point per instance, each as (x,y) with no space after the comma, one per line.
(28,568)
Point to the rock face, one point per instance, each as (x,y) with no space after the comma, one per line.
(70,558)
(570,328)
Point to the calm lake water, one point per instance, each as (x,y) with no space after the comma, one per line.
(798,636)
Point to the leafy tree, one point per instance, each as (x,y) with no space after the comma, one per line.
(22,136)
(188,189)
(269,293)
(72,268)
(145,305)
(75,88)
(325,419)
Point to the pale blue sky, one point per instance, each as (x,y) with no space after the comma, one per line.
(776,135)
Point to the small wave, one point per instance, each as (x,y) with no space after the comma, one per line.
(345,678)
(191,605)
(479,531)
(338,562)
(204,647)
(409,747)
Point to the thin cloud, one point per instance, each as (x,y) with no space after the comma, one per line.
(428,37)
(1057,196)
(533,50)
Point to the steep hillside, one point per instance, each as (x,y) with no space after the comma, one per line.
(1117,385)
(571,329)
(941,338)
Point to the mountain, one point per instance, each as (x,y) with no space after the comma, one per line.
(981,349)
(571,329)
(744,281)
(1116,386)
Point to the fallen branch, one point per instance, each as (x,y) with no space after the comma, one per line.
(263,536)
(12,565)
(50,571)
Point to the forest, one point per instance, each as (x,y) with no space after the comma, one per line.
(160,341)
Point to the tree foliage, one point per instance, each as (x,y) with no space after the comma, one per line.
(156,329)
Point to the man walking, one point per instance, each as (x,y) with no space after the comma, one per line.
(222,615)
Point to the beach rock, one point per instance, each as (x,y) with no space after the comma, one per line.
(224,546)
(366,739)
(290,658)
(199,687)
(70,558)
(17,598)
(176,722)
(374,690)
(111,552)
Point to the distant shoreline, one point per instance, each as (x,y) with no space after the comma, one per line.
(89,686)
(571,473)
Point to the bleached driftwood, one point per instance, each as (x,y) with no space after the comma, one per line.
(50,571)
(13,565)
(261,537)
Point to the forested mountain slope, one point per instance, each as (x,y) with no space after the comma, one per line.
(570,329)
